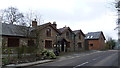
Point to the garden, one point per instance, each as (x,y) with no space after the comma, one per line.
(25,54)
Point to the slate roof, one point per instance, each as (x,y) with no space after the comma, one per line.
(22,31)
(94,35)
(64,29)
(15,30)
(40,27)
(77,31)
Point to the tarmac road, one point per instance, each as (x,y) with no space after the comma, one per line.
(100,59)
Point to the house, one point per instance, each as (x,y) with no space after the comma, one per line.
(47,35)
(79,40)
(66,39)
(96,40)
(16,35)
(21,35)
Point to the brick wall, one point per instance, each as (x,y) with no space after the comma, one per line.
(97,44)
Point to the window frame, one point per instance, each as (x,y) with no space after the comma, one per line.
(67,34)
(49,41)
(79,36)
(91,45)
(48,32)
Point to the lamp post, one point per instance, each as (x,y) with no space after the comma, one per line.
(118,35)
(55,46)
(56,40)
(118,8)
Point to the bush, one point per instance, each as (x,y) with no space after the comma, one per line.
(5,61)
(52,55)
(48,54)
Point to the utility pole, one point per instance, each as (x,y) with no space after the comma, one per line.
(118,22)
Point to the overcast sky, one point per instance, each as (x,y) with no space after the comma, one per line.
(87,15)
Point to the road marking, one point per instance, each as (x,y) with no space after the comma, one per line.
(77,56)
(93,59)
(81,65)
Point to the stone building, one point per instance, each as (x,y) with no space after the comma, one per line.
(15,35)
(47,35)
(79,40)
(66,39)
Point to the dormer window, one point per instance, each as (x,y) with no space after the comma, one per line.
(48,32)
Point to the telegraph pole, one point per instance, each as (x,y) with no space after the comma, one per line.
(118,21)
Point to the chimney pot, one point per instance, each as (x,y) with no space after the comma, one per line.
(54,24)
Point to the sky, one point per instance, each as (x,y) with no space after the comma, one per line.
(87,15)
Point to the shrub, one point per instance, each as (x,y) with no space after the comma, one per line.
(48,54)
(52,55)
(5,61)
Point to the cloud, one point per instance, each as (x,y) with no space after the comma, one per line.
(88,15)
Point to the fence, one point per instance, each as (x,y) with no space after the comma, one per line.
(14,54)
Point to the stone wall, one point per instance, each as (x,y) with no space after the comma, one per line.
(4,41)
(23,41)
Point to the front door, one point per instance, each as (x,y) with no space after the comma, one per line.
(79,45)
(62,46)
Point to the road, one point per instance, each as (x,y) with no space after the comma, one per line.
(96,59)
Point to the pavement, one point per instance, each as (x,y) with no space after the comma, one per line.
(60,58)
(28,64)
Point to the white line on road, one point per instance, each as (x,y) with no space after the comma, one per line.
(81,65)
(93,59)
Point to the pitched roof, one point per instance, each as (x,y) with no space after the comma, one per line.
(77,31)
(62,30)
(40,27)
(94,35)
(22,31)
(15,30)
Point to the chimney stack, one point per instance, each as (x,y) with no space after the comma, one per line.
(34,23)
(54,24)
(64,26)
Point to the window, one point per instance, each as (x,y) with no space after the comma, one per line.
(13,42)
(79,45)
(91,45)
(31,43)
(68,44)
(88,36)
(67,34)
(91,36)
(79,36)
(48,44)
(48,32)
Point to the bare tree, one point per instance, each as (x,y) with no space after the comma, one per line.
(1,16)
(11,15)
(31,15)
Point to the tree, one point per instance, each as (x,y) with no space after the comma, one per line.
(11,15)
(110,43)
(31,15)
